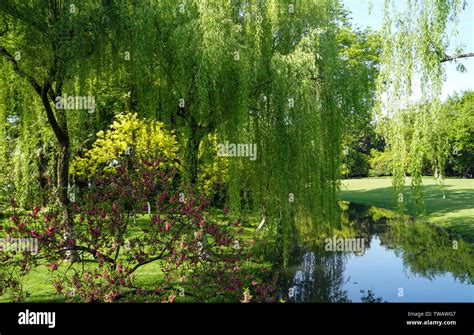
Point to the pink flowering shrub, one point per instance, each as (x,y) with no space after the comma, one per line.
(125,221)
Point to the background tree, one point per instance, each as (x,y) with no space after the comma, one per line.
(415,42)
(458,118)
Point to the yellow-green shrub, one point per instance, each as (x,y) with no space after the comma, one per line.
(212,169)
(145,138)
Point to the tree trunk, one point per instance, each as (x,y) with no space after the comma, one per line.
(198,132)
(42,165)
(192,153)
(63,197)
(61,132)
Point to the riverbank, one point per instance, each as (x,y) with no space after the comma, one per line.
(451,207)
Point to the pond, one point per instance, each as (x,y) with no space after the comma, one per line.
(375,257)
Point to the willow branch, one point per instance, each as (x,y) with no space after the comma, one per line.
(448,58)
(60,135)
(8,56)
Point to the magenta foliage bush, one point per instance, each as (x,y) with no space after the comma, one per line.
(125,221)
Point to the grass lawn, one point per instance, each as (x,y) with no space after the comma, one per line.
(455,211)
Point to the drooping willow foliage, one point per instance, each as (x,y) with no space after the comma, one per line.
(415,37)
(24,167)
(260,73)
(292,116)
(56,42)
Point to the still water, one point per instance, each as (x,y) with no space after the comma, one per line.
(393,261)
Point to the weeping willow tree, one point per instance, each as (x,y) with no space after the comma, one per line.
(294,119)
(50,50)
(416,36)
(261,73)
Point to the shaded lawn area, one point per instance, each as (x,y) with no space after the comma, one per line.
(455,211)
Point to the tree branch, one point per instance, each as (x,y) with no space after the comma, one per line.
(161,255)
(90,251)
(8,56)
(42,92)
(62,138)
(448,58)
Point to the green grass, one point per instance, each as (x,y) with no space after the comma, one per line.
(455,211)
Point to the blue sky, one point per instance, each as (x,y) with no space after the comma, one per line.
(455,81)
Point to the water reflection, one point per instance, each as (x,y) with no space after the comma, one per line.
(402,261)
(310,281)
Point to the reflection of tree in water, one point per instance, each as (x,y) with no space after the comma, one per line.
(429,252)
(320,274)
(425,250)
(319,279)
(369,297)
(366,221)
